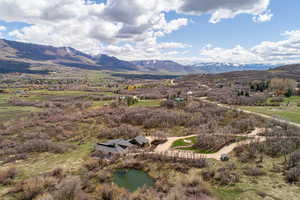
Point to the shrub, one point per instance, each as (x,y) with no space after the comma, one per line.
(293,174)
(103,176)
(294,159)
(40,146)
(226,178)
(92,164)
(124,131)
(189,188)
(7,175)
(208,175)
(110,192)
(277,100)
(254,171)
(31,188)
(45,196)
(213,142)
(57,173)
(169,104)
(70,189)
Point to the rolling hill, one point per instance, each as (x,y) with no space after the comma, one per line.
(20,57)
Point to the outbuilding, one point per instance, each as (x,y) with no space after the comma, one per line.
(140,141)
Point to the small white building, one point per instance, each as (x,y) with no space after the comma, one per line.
(189,93)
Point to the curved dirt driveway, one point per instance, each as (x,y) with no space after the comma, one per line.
(166,147)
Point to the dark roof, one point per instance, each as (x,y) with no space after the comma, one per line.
(116,142)
(141,140)
(118,146)
(107,149)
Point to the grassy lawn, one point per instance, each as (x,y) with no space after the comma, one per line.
(187,146)
(287,113)
(290,113)
(294,100)
(182,143)
(42,95)
(44,162)
(8,112)
(70,162)
(148,103)
(99,104)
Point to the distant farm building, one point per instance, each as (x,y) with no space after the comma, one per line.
(189,93)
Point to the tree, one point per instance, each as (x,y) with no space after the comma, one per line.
(283,84)
(289,93)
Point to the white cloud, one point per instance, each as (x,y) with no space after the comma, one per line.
(286,50)
(173,45)
(2,28)
(127,29)
(174,25)
(264,17)
(238,54)
(281,52)
(223,9)
(90,27)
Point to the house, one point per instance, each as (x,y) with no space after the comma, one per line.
(118,142)
(120,146)
(140,141)
(109,150)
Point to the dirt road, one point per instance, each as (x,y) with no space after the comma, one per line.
(166,147)
(204,99)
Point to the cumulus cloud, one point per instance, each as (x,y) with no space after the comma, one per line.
(238,54)
(118,27)
(280,52)
(90,26)
(285,50)
(2,28)
(265,17)
(223,9)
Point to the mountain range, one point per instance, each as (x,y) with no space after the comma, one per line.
(20,57)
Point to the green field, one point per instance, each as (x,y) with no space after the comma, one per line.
(8,112)
(148,103)
(288,109)
(291,114)
(293,100)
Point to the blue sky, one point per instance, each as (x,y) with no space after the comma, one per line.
(240,30)
(188,31)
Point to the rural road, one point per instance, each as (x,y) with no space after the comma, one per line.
(166,147)
(204,99)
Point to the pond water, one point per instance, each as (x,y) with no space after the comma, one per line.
(132,179)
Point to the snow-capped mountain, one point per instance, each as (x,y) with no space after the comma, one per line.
(216,67)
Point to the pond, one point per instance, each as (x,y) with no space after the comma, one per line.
(132,179)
